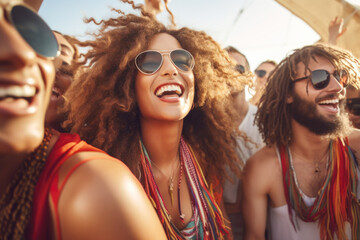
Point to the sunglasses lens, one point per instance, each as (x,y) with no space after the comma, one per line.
(260,73)
(182,59)
(34,31)
(149,61)
(240,68)
(320,79)
(353,105)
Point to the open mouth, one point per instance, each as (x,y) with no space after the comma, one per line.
(169,89)
(330,103)
(17,93)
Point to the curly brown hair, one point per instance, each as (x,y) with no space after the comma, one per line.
(103,106)
(273,116)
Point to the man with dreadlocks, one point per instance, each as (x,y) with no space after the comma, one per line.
(55,186)
(307,175)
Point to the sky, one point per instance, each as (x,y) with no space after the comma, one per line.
(261,29)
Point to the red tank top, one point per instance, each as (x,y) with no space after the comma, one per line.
(66,146)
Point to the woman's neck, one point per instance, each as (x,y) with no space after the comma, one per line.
(162,140)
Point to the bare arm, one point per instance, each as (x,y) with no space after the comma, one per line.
(103,200)
(254,203)
(336,29)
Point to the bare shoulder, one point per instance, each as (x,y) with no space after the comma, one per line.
(264,160)
(102,199)
(261,168)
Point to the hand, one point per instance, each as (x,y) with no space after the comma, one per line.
(336,29)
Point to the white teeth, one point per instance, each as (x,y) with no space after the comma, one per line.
(168,88)
(329,101)
(17,91)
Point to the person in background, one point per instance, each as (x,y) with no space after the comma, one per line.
(55,186)
(64,77)
(157,98)
(307,176)
(353,105)
(247,145)
(262,73)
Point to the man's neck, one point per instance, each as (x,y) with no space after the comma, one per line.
(242,107)
(308,144)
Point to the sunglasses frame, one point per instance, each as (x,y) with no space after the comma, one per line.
(162,53)
(8,16)
(344,85)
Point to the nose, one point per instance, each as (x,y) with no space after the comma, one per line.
(14,51)
(168,68)
(335,85)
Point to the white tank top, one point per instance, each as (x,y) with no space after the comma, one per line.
(282,229)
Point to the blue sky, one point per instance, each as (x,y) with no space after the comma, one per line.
(264,29)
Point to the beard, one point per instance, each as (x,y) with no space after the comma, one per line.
(306,114)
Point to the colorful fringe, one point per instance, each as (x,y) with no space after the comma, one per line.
(337,200)
(211,219)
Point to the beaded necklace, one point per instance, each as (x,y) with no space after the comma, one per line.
(16,202)
(210,217)
(336,202)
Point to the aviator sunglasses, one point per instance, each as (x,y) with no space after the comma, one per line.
(33,30)
(353,105)
(320,78)
(149,62)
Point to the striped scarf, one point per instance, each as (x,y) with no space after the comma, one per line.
(210,216)
(336,202)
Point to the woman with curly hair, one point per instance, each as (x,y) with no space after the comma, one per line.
(159,99)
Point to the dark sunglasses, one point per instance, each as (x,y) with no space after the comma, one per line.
(240,68)
(260,73)
(33,30)
(149,62)
(353,105)
(320,78)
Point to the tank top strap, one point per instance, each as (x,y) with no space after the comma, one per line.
(55,191)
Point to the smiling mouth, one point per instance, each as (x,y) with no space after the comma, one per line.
(332,103)
(13,93)
(171,89)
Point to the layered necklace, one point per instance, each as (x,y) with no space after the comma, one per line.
(210,218)
(171,179)
(336,202)
(317,169)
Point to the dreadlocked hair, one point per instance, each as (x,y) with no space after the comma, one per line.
(274,116)
(16,202)
(103,107)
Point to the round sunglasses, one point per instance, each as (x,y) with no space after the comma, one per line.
(320,78)
(150,61)
(33,30)
(353,105)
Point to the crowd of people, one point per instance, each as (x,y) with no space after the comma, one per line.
(148,134)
